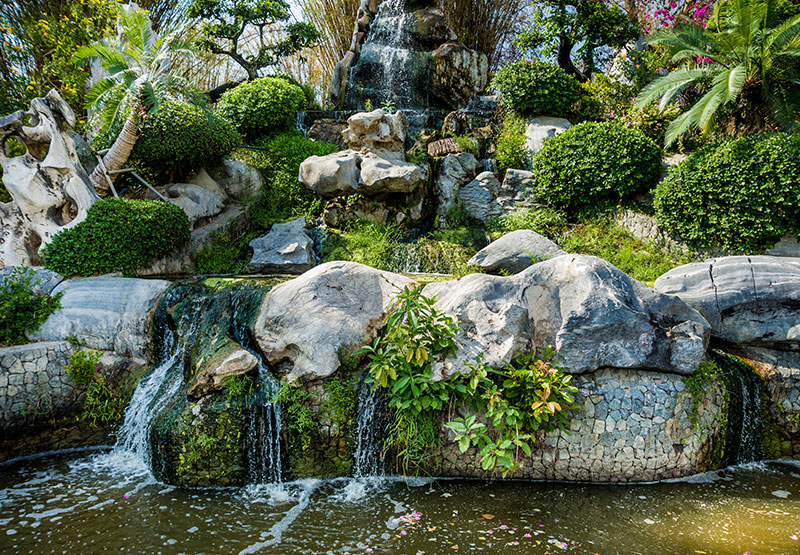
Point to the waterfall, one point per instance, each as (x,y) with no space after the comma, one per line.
(369,433)
(745,427)
(264,430)
(300,122)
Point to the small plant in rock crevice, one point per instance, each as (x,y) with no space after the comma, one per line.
(102,406)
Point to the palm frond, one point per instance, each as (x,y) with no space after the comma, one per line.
(668,86)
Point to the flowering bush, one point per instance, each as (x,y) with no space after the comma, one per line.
(22,309)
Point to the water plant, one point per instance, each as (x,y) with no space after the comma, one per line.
(102,405)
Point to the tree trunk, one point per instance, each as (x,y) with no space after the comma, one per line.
(118,154)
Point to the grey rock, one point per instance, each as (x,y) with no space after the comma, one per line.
(593,313)
(515,251)
(336,174)
(238,179)
(753,300)
(110,314)
(43,280)
(479,197)
(456,170)
(379,175)
(286,249)
(197,201)
(788,246)
(376,131)
(542,128)
(518,180)
(305,323)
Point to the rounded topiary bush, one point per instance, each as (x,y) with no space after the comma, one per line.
(594,163)
(118,235)
(742,195)
(535,88)
(262,106)
(183,134)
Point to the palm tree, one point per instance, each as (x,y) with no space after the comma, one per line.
(744,63)
(139,76)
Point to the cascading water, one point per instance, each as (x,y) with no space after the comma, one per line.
(369,433)
(265,428)
(745,427)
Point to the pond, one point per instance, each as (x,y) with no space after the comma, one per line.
(93,501)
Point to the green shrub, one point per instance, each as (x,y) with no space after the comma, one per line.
(742,195)
(262,106)
(283,197)
(604,99)
(653,123)
(21,309)
(511,149)
(118,235)
(546,221)
(593,163)
(181,137)
(535,88)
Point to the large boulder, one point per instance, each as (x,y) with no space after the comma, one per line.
(305,324)
(458,73)
(515,251)
(455,170)
(286,249)
(479,197)
(106,313)
(197,201)
(538,130)
(752,300)
(593,313)
(379,175)
(334,175)
(376,130)
(238,179)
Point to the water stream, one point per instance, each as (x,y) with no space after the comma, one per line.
(370,432)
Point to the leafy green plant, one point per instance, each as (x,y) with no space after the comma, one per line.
(118,235)
(300,418)
(547,221)
(262,106)
(605,99)
(742,195)
(593,163)
(529,396)
(400,362)
(511,149)
(22,310)
(467,144)
(745,63)
(536,88)
(220,256)
(102,405)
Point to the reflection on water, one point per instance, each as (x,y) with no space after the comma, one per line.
(85,502)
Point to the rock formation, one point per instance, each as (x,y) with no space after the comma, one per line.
(515,251)
(286,249)
(48,185)
(404,52)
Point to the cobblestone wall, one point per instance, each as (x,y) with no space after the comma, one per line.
(633,426)
(34,385)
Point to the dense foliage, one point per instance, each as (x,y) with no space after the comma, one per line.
(226,22)
(262,106)
(744,63)
(178,139)
(536,88)
(527,396)
(742,195)
(118,235)
(510,143)
(39,40)
(593,163)
(279,162)
(21,309)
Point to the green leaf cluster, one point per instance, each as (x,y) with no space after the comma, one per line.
(510,143)
(593,163)
(21,309)
(262,106)
(741,195)
(536,88)
(528,396)
(118,235)
(295,402)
